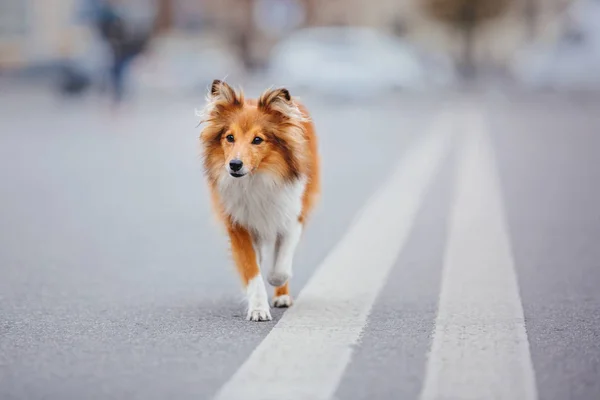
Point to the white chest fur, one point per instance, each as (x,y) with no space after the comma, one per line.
(261,204)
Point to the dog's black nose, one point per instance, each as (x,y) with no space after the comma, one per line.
(236,165)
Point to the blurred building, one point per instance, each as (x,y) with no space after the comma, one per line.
(518,23)
(43,31)
(32,31)
(245,23)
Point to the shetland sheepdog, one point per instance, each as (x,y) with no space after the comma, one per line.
(262,166)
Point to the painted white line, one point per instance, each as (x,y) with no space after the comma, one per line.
(305,354)
(480,348)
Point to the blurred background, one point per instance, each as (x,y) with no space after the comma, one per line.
(115,282)
(341,47)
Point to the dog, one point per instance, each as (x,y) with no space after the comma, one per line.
(262,167)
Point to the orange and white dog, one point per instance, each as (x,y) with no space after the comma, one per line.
(262,166)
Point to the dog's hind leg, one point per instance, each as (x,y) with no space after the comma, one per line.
(281,272)
(282,297)
(245,258)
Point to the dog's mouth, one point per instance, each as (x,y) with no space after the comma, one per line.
(237,174)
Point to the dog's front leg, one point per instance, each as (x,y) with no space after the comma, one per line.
(281,272)
(245,259)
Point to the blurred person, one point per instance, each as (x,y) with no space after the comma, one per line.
(81,69)
(123,40)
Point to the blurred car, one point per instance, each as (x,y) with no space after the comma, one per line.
(346,62)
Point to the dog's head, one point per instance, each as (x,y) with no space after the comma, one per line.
(243,137)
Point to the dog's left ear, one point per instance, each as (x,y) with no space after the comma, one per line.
(272,97)
(279,102)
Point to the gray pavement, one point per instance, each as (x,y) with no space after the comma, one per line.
(549,157)
(115,281)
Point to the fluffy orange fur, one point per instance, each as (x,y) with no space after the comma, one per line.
(286,149)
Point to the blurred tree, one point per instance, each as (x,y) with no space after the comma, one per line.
(531,11)
(466,16)
(246,34)
(311,12)
(165,16)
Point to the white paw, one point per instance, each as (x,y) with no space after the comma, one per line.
(260,314)
(258,303)
(278,278)
(282,301)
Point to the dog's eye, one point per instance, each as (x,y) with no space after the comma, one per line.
(257,140)
(230,138)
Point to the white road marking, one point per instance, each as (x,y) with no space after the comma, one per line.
(305,354)
(480,348)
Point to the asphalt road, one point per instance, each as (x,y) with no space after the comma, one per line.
(454,255)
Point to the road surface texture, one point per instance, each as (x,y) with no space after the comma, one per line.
(454,255)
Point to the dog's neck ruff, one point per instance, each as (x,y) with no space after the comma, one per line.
(261,203)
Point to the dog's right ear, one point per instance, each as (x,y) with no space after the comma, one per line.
(221,101)
(221,92)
